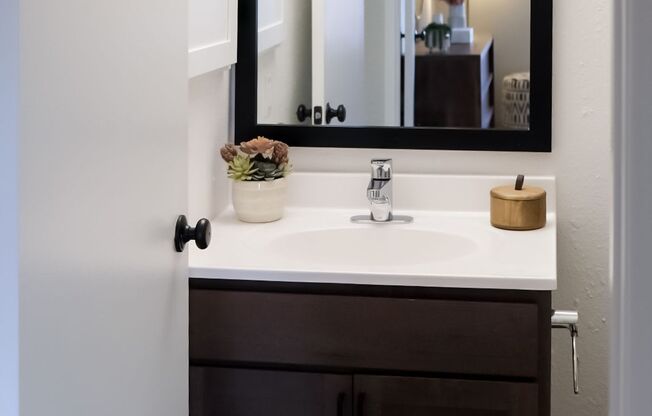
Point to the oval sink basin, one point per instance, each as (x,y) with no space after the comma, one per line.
(374,246)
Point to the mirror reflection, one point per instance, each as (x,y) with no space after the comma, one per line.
(398,63)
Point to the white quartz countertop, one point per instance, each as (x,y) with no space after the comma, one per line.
(449,244)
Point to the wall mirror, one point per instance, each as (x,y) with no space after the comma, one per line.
(407,74)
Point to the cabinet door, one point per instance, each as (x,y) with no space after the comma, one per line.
(401,396)
(370,333)
(212,35)
(238,392)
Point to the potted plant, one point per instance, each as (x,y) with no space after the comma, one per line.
(258,169)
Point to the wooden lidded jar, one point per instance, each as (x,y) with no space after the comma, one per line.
(518,207)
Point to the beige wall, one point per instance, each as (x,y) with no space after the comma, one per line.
(581,160)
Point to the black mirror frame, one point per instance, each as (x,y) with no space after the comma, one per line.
(537,139)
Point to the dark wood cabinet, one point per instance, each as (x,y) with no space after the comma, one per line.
(310,349)
(242,392)
(455,88)
(219,391)
(413,396)
(427,335)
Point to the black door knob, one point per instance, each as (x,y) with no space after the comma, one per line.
(331,113)
(303,113)
(183,233)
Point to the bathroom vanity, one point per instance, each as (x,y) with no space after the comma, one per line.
(312,349)
(316,315)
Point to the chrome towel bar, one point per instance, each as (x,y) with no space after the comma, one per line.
(568,320)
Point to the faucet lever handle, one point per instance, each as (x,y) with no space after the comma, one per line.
(376,196)
(381,169)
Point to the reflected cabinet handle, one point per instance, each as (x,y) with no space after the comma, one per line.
(303,113)
(331,113)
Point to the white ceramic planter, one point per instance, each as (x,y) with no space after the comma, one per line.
(259,201)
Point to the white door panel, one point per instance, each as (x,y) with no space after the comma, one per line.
(103,170)
(212,35)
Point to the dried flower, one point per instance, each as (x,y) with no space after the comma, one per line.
(229,152)
(280,155)
(258,146)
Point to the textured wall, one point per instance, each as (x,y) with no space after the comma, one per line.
(581,161)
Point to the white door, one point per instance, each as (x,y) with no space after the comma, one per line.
(102,178)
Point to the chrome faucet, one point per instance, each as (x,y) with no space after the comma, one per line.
(379,191)
(380,196)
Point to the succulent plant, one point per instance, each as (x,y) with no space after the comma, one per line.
(242,168)
(259,159)
(286,168)
(267,171)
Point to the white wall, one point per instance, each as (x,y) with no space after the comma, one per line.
(581,160)
(8,208)
(208,130)
(509,22)
(285,71)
